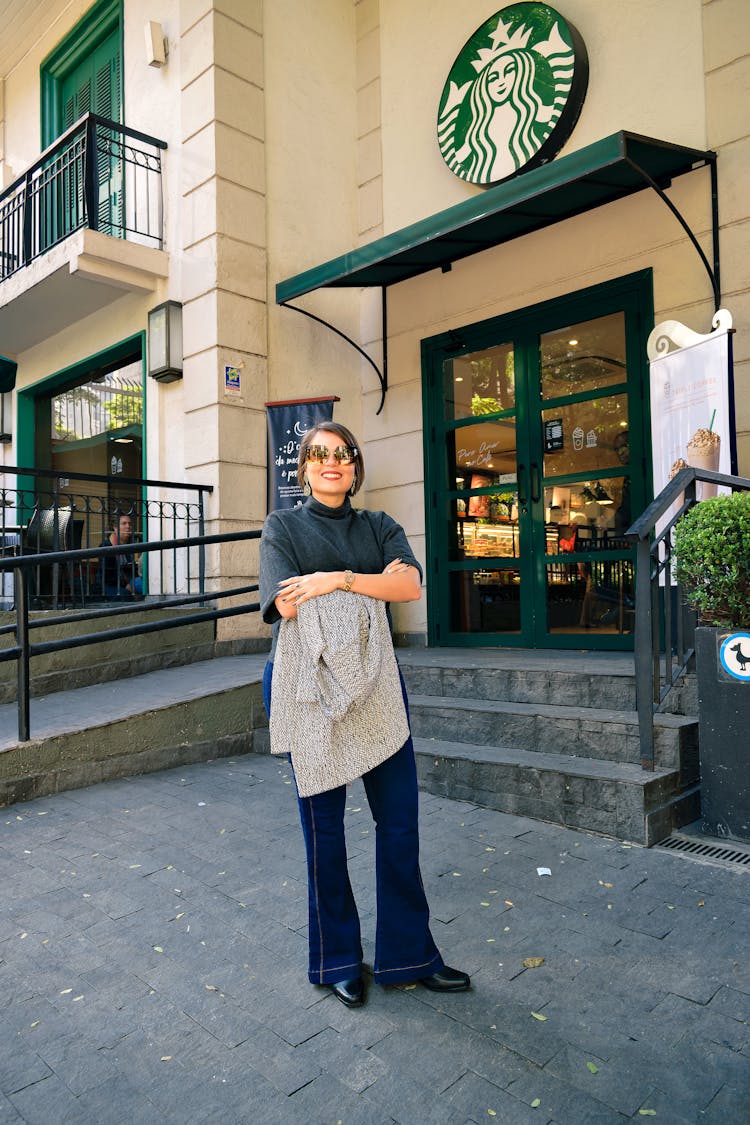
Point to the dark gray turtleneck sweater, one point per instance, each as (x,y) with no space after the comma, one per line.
(313,537)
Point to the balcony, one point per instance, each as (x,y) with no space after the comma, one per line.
(80,228)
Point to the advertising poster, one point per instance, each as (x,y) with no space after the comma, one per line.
(692,420)
(287,424)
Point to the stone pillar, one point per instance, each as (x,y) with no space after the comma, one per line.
(224,271)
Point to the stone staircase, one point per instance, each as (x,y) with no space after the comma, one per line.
(552,735)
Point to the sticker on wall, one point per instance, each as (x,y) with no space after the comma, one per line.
(734,656)
(513,95)
(232,380)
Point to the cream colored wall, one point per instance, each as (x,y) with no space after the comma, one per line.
(23,131)
(726,44)
(312,180)
(644,61)
(646,76)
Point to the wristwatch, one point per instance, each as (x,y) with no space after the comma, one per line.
(348,580)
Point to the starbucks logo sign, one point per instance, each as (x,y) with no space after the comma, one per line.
(513,95)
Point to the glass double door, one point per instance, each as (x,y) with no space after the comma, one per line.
(537,471)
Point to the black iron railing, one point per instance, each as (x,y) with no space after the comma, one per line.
(24,649)
(43,512)
(664,623)
(98,174)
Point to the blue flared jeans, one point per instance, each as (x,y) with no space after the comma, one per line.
(404,948)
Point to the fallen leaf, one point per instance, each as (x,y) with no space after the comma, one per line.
(508,902)
(536,1102)
(65,991)
(490,849)
(647,1112)
(533,962)
(457,873)
(132,867)
(409,987)
(35,1023)
(77,998)
(593,1067)
(539,1016)
(506,929)
(602,884)
(701,903)
(484,904)
(490,940)
(492,1112)
(158,949)
(669,907)
(166,1058)
(222,831)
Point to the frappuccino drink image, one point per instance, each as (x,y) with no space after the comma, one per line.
(703,452)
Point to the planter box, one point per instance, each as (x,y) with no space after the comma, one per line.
(724,739)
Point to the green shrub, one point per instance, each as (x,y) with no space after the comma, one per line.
(712,547)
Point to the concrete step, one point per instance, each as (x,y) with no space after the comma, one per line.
(582,732)
(105,660)
(608,797)
(166,718)
(602,680)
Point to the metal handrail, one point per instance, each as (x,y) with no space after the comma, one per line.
(23,650)
(61,192)
(664,623)
(60,143)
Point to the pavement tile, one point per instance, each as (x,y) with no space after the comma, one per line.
(354,1066)
(44,1103)
(20,1066)
(246,1038)
(329,1100)
(612,1083)
(474,1098)
(731,1104)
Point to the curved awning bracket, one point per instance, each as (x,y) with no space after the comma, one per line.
(714,274)
(382,375)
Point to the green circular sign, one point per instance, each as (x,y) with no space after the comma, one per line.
(513,95)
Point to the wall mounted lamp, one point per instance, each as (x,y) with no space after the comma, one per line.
(156,44)
(165,342)
(601,496)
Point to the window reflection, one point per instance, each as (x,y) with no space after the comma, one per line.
(583,357)
(482,382)
(585,437)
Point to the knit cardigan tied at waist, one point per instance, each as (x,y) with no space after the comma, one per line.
(336,700)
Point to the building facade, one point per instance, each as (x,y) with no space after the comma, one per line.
(295,153)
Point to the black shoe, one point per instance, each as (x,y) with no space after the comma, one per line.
(349,992)
(447,980)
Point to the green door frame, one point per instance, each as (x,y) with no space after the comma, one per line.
(632,294)
(26,397)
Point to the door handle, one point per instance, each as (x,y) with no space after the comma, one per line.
(520,474)
(536,484)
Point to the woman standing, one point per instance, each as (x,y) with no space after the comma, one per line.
(319,547)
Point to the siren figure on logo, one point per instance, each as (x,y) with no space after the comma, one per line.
(492,125)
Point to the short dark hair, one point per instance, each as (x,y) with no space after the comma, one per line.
(347,437)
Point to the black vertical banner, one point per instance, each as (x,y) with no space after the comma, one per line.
(287,423)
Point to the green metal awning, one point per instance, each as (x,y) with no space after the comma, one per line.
(600,173)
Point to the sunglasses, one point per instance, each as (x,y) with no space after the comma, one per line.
(343,454)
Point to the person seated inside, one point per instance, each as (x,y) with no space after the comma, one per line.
(120,578)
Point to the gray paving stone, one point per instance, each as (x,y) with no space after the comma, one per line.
(670,1010)
(44,1103)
